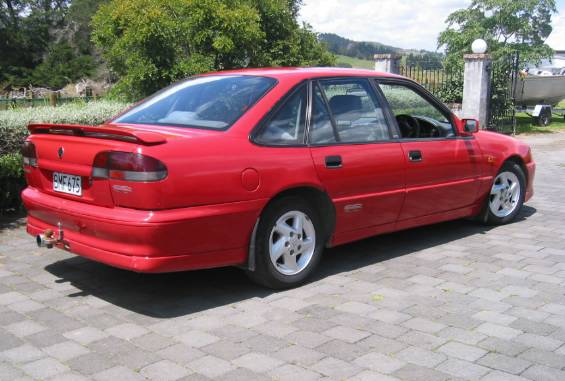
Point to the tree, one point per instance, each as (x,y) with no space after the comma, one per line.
(506,26)
(151,43)
(24,32)
(62,66)
(42,42)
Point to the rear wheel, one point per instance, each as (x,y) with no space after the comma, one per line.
(506,195)
(289,244)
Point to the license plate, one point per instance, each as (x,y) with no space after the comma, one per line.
(65,183)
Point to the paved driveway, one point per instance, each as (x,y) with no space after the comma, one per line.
(445,302)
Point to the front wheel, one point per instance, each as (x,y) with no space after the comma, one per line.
(289,244)
(506,195)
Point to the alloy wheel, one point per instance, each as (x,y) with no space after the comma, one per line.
(292,242)
(504,194)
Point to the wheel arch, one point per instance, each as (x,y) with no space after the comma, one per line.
(314,196)
(517,159)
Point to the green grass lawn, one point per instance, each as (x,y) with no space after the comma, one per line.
(355,62)
(524,124)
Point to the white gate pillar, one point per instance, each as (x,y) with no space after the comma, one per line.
(387,63)
(476,83)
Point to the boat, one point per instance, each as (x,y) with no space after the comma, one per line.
(543,84)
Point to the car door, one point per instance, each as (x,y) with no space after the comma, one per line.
(442,169)
(356,159)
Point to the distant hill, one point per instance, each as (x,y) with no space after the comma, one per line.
(365,50)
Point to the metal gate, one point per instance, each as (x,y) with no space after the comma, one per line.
(501,106)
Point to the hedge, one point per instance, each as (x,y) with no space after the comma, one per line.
(13,131)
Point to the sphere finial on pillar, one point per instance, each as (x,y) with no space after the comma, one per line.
(479,46)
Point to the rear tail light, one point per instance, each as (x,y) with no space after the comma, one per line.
(127,166)
(28,154)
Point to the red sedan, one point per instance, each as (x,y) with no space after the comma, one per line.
(263,169)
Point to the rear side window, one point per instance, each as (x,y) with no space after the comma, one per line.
(211,102)
(356,113)
(286,126)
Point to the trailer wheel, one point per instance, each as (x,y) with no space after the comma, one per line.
(544,118)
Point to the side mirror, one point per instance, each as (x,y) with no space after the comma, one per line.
(470,126)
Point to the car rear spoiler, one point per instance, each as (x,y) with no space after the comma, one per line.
(100,132)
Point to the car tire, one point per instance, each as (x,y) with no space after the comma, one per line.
(506,195)
(288,244)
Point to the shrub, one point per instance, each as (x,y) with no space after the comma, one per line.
(13,123)
(11,181)
(13,131)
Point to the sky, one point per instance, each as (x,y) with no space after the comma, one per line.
(401,23)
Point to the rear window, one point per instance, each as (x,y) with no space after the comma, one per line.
(214,102)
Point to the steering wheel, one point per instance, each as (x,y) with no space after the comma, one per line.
(409,126)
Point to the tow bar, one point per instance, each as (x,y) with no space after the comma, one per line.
(48,240)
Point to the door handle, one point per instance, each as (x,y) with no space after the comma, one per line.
(333,161)
(415,155)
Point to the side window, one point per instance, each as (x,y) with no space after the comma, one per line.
(286,126)
(417,118)
(357,115)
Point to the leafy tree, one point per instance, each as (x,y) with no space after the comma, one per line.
(62,66)
(150,43)
(506,26)
(25,35)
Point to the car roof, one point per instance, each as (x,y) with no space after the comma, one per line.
(306,72)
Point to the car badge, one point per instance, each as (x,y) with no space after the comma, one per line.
(60,152)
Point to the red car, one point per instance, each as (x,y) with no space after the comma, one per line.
(263,169)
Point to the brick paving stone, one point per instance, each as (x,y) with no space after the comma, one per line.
(504,363)
(257,362)
(197,338)
(542,357)
(494,317)
(462,351)
(543,373)
(501,376)
(66,350)
(420,357)
(463,369)
(44,368)
(379,362)
(210,366)
(505,347)
(336,368)
(164,370)
(534,327)
(22,354)
(540,342)
(85,335)
(297,354)
(25,328)
(309,339)
(348,334)
(423,325)
(461,335)
(422,340)
(120,373)
(499,331)
(290,372)
(412,372)
(126,331)
(369,375)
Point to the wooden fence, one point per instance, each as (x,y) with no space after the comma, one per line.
(12,103)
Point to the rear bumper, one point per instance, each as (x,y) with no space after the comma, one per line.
(147,241)
(531,169)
